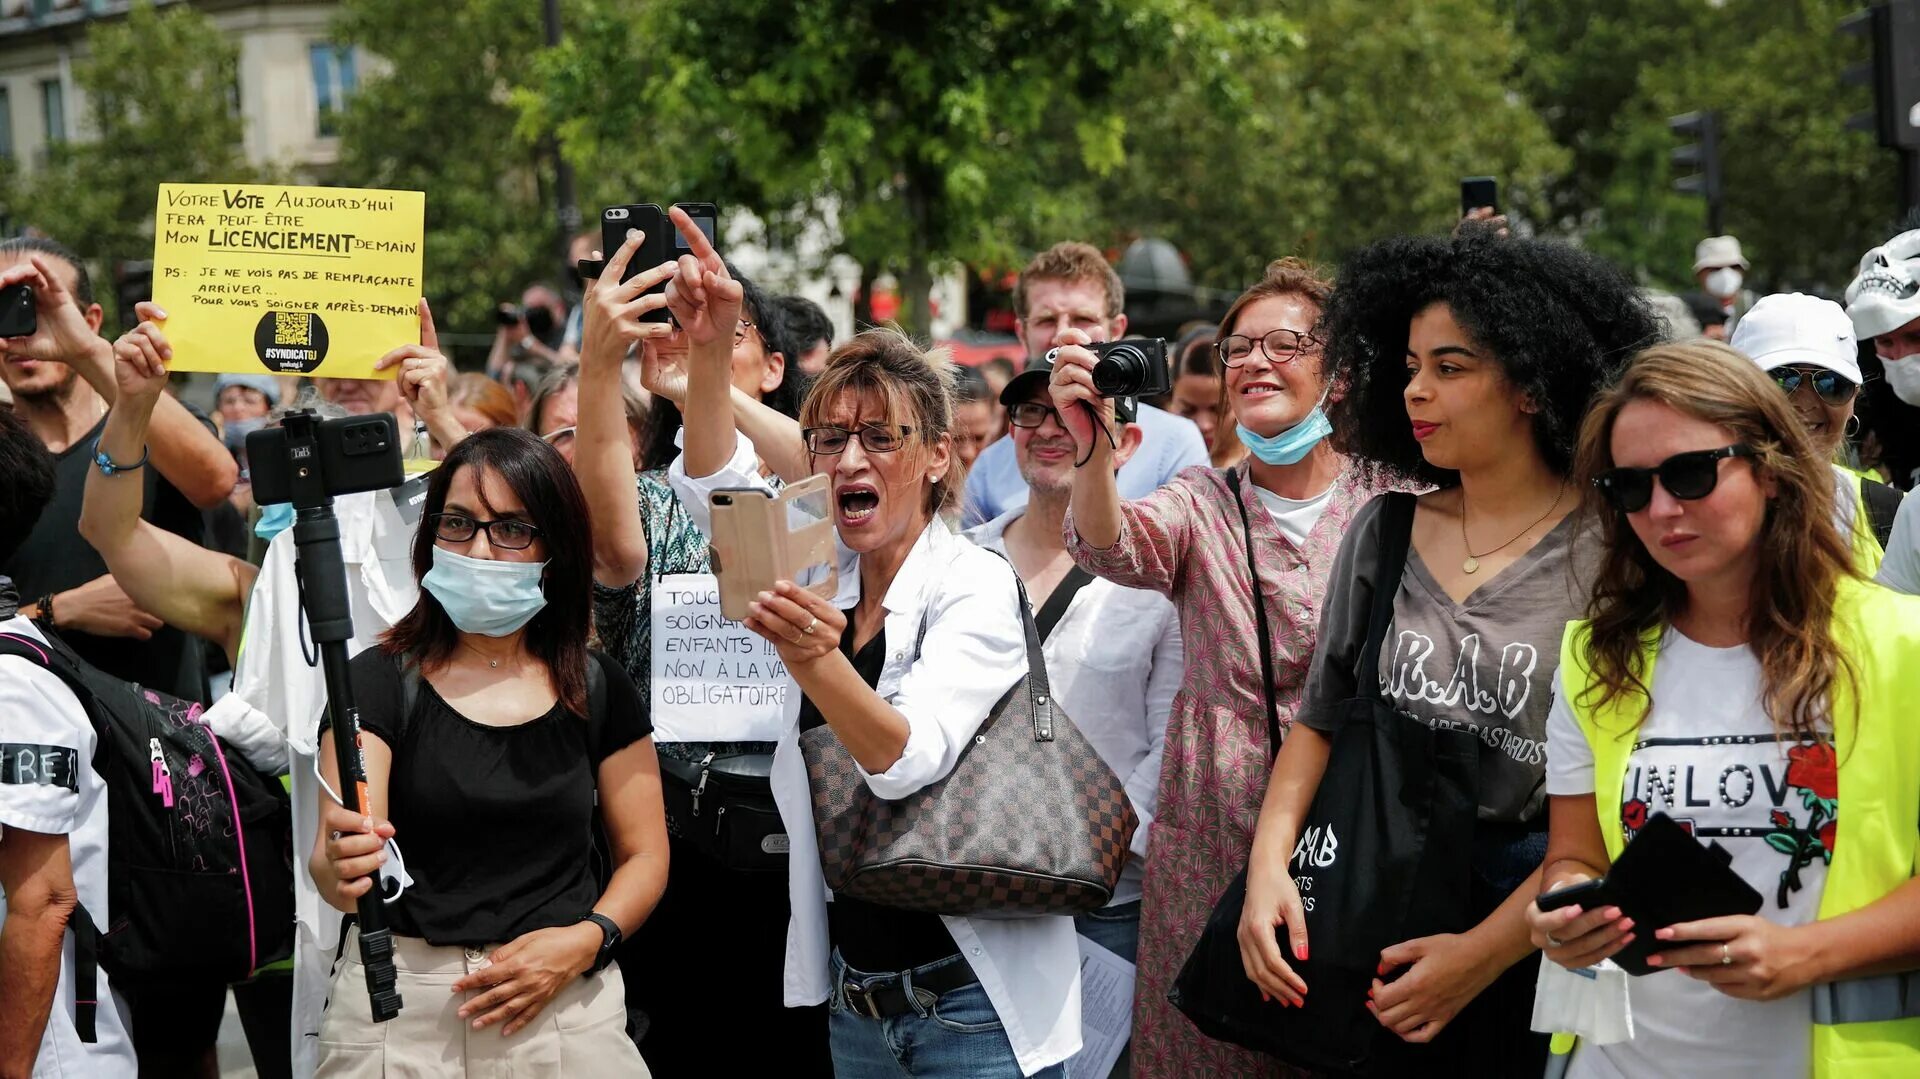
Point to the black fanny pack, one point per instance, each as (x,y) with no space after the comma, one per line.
(722,805)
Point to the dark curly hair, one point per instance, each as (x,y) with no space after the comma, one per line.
(1562,324)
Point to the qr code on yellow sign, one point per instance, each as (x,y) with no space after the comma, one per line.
(292,328)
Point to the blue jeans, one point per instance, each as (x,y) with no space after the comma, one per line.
(1117,929)
(960,1036)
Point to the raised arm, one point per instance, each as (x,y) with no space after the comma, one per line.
(185,450)
(775,436)
(602,451)
(201,591)
(1096,492)
(422,378)
(705,301)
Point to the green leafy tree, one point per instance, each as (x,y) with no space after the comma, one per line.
(923,133)
(1804,194)
(1361,125)
(160,89)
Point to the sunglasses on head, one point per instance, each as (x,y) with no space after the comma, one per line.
(1686,476)
(1831,387)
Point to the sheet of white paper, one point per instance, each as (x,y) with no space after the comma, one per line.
(1106,1011)
(713,680)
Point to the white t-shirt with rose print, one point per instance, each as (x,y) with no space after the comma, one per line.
(1708,756)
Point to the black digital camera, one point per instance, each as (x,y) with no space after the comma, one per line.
(1132,367)
(344,455)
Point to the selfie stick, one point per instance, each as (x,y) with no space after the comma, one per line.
(323,596)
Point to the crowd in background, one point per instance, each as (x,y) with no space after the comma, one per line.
(1478,484)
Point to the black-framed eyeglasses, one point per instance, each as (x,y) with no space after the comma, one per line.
(1031,414)
(508,535)
(874,438)
(1831,387)
(1686,476)
(1281,346)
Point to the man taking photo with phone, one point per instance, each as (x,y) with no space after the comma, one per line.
(62,379)
(1070,286)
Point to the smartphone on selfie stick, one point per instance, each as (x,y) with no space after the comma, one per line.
(307,461)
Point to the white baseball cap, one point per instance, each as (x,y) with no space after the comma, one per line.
(1790,328)
(1886,294)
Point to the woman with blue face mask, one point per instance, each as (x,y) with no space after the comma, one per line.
(1294,495)
(491,734)
(1465,365)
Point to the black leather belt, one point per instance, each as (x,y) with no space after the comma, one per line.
(886,997)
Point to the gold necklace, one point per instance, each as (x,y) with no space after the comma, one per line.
(1472,564)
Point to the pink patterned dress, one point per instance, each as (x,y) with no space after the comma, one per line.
(1185,541)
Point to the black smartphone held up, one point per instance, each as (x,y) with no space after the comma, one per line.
(17,318)
(654,250)
(1478,191)
(706,217)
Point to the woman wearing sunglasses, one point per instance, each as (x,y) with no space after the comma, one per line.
(1735,673)
(903,664)
(1806,345)
(1467,364)
(492,739)
(1294,496)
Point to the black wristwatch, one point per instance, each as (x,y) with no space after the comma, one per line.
(610,941)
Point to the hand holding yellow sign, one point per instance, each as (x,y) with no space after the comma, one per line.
(289,280)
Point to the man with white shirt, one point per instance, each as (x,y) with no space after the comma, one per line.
(1071,286)
(53,829)
(1113,654)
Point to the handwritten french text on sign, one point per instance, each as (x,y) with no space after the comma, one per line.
(289,280)
(713,680)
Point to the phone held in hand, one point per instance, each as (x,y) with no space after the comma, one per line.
(1478,191)
(17,317)
(1664,876)
(761,538)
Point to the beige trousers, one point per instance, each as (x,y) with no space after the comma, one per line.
(581,1033)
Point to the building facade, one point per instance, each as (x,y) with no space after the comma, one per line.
(293,78)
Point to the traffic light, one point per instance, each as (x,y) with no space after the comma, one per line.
(1892,69)
(1696,163)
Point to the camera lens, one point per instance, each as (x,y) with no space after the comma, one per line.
(1123,372)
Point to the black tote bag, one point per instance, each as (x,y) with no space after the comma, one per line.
(1384,856)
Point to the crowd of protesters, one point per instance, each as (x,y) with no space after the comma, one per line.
(1467,513)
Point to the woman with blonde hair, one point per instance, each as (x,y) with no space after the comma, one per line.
(904,664)
(1735,673)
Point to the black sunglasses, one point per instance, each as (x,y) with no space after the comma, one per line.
(1830,386)
(1685,475)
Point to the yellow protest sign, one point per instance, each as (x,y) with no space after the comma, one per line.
(288,280)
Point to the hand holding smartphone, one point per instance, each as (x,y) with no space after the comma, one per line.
(663,243)
(760,538)
(1477,192)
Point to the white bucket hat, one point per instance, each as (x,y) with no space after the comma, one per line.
(1886,294)
(1717,251)
(1794,328)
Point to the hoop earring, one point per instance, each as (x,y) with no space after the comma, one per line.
(1852,427)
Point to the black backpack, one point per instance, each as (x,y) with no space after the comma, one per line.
(199,841)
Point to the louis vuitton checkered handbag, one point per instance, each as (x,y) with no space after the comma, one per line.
(1030,821)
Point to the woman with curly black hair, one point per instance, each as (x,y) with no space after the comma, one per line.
(1466,364)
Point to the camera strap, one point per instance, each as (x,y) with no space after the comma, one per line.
(1259,617)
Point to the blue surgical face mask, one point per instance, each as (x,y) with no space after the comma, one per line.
(1293,444)
(275,518)
(483,595)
